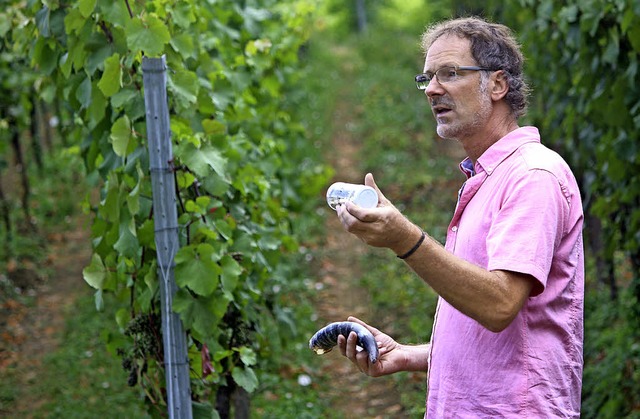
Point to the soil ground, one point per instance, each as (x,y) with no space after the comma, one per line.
(32,329)
(356,394)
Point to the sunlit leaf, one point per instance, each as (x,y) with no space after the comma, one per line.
(183,13)
(86,7)
(201,160)
(149,35)
(111,79)
(97,107)
(114,12)
(184,85)
(230,275)
(121,136)
(183,44)
(213,127)
(248,356)
(74,21)
(95,273)
(245,378)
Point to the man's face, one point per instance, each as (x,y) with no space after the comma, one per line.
(461,107)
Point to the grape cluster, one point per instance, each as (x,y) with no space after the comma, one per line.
(145,331)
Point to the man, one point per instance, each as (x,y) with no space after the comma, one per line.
(508,330)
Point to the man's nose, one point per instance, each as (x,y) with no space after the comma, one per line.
(434,88)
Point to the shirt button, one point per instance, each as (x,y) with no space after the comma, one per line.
(454,228)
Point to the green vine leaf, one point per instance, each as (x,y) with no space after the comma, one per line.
(230,275)
(127,244)
(245,378)
(83,94)
(149,35)
(111,80)
(185,87)
(201,314)
(225,228)
(133,198)
(184,45)
(95,273)
(248,356)
(114,12)
(200,160)
(42,21)
(197,268)
(74,21)
(204,410)
(213,127)
(183,14)
(97,107)
(121,137)
(86,7)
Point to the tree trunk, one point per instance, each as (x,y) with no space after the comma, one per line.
(241,403)
(6,219)
(232,395)
(21,168)
(635,289)
(37,128)
(223,399)
(47,129)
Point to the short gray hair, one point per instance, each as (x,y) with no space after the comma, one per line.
(493,46)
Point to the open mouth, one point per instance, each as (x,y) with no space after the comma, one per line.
(441,110)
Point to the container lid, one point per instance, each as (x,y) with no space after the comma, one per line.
(366,198)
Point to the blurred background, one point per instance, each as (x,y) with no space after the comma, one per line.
(270,102)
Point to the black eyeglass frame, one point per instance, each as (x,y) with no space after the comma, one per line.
(422,80)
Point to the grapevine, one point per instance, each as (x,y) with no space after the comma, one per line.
(242,174)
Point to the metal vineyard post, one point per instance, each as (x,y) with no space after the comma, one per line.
(166,234)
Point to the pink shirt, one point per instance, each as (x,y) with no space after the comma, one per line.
(521,212)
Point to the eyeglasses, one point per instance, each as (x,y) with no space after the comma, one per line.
(445,75)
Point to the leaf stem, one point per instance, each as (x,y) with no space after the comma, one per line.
(129,8)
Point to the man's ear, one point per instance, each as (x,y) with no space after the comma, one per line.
(500,85)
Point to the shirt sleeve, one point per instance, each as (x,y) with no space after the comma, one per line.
(528,227)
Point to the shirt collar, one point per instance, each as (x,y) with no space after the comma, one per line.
(499,151)
(466,166)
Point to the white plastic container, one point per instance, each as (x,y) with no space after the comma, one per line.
(361,195)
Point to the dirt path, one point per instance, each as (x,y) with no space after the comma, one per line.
(355,394)
(32,329)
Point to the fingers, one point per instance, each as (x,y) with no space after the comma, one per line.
(342,345)
(350,216)
(357,320)
(372,329)
(348,345)
(355,355)
(370,181)
(353,216)
(348,348)
(351,350)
